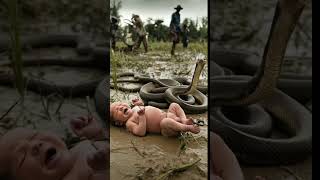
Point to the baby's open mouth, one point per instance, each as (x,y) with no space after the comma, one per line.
(50,157)
(125,110)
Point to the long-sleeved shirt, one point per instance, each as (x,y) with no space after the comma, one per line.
(175,22)
(139,26)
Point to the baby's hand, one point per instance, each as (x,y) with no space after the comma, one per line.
(141,111)
(137,102)
(86,127)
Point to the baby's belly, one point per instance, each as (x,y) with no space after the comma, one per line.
(153,118)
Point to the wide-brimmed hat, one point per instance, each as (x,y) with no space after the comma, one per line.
(178,7)
(135,15)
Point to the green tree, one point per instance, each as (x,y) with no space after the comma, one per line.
(204,28)
(193,30)
(157,31)
(114,8)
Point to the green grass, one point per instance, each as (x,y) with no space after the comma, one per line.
(199,47)
(120,59)
(16,52)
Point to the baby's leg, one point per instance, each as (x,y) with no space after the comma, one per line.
(176,112)
(170,127)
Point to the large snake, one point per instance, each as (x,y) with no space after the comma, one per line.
(172,93)
(90,56)
(244,63)
(140,80)
(288,115)
(161,92)
(265,80)
(82,45)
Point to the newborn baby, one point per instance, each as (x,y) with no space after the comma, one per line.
(142,119)
(30,155)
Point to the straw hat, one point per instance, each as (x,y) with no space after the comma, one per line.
(135,16)
(178,7)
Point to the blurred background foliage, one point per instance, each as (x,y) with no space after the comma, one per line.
(59,16)
(245,24)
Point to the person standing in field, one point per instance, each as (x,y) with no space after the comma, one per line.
(185,34)
(141,32)
(114,29)
(175,29)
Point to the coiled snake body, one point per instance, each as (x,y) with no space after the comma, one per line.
(161,92)
(286,113)
(90,56)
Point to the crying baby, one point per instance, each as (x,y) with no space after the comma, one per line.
(32,155)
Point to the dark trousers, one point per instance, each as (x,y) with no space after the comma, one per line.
(175,40)
(138,43)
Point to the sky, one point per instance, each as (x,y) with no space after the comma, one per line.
(162,9)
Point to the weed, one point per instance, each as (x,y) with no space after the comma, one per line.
(16,52)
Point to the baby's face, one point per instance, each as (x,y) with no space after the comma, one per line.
(31,155)
(121,112)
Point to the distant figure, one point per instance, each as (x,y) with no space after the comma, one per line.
(141,32)
(185,34)
(158,28)
(114,29)
(175,29)
(128,40)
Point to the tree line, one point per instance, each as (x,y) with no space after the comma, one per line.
(198,29)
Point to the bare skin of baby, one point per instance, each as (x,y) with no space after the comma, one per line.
(224,163)
(142,119)
(30,155)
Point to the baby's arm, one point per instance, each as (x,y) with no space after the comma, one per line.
(139,128)
(137,102)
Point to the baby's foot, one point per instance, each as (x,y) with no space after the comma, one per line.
(194,129)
